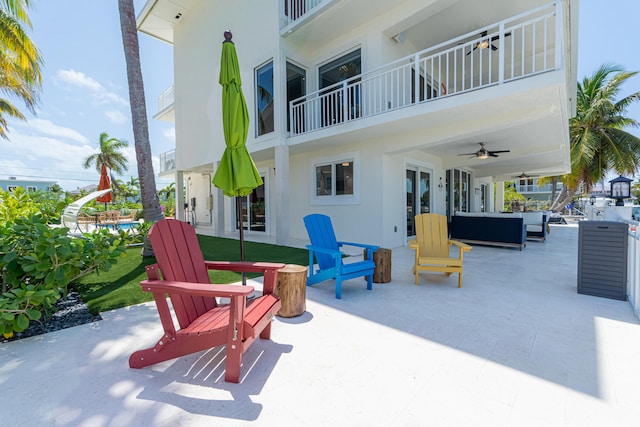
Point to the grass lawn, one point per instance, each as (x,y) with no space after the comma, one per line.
(120,286)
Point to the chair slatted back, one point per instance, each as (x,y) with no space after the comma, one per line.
(432,235)
(321,234)
(179,257)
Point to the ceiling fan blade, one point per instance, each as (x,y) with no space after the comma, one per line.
(495,38)
(467,154)
(493,47)
(493,154)
(500,151)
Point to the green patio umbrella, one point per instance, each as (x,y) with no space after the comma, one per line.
(236,175)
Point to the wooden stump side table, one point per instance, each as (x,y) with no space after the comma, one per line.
(382,261)
(292,290)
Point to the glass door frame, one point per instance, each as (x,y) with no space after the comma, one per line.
(417,207)
(245,204)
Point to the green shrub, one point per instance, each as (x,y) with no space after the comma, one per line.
(21,203)
(38,262)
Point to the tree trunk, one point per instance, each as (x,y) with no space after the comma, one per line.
(554,183)
(564,198)
(149,195)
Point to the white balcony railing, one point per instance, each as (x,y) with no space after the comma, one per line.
(533,188)
(166,99)
(297,9)
(168,161)
(516,48)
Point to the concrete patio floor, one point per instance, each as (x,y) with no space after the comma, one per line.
(516,346)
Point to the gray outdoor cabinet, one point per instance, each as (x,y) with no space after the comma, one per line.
(602,259)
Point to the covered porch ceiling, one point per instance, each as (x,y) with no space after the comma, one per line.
(525,117)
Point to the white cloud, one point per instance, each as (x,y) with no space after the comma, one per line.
(98,92)
(116,117)
(170,133)
(48,128)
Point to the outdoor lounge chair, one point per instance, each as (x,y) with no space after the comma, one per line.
(432,247)
(86,220)
(326,250)
(203,322)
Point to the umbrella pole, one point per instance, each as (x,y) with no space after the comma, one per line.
(241,228)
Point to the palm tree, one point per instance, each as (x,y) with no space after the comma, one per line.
(20,62)
(109,154)
(149,195)
(133,189)
(168,192)
(598,141)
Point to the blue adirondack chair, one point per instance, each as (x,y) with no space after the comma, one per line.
(326,250)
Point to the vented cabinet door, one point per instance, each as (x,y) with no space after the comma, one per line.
(602,259)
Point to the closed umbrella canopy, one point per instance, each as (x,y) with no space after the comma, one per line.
(105,183)
(236,174)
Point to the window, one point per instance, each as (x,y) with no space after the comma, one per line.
(264,99)
(458,195)
(11,188)
(335,180)
(32,189)
(296,87)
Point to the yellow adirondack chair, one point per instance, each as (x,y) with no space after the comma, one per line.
(432,247)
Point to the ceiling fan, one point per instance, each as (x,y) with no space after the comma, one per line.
(485,43)
(483,153)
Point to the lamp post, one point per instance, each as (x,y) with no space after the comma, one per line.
(620,189)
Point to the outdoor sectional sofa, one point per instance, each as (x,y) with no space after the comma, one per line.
(536,224)
(489,228)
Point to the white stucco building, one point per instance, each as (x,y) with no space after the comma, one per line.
(361,109)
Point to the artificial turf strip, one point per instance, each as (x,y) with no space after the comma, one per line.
(120,286)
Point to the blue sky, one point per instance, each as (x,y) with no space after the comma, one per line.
(85,84)
(85,92)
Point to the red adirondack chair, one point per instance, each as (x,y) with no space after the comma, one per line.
(203,322)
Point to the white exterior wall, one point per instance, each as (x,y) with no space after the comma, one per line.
(197,48)
(378,215)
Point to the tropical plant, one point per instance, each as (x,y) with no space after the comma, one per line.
(598,140)
(38,262)
(20,203)
(148,193)
(168,192)
(168,197)
(132,190)
(512,198)
(109,155)
(20,62)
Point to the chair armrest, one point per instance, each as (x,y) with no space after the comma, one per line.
(461,245)
(195,289)
(331,252)
(243,266)
(360,245)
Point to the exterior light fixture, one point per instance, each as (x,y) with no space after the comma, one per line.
(592,200)
(620,189)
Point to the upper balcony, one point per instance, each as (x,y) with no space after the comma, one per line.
(167,162)
(516,48)
(535,188)
(166,109)
(296,12)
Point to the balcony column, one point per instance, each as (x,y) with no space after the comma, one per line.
(501,54)
(559,47)
(499,202)
(179,179)
(282,191)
